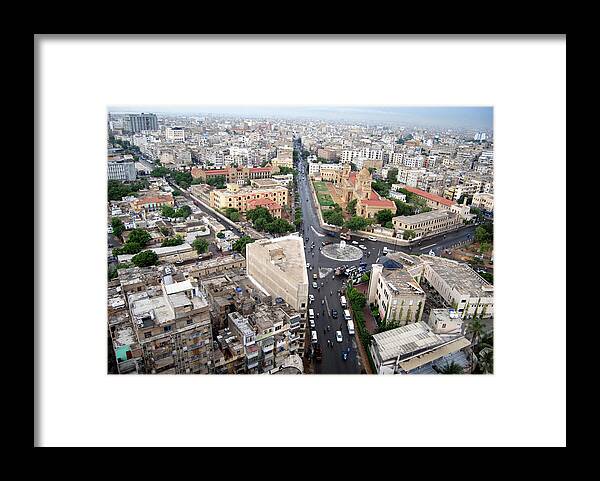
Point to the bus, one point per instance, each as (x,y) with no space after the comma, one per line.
(343,302)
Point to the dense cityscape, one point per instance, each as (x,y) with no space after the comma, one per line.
(248,245)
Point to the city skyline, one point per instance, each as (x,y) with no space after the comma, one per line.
(480,117)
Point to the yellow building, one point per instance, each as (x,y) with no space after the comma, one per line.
(236,197)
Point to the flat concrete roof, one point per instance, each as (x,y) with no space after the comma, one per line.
(460,276)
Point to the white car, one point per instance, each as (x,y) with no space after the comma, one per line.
(362,247)
(354,243)
(311,298)
(308,265)
(314,284)
(372,239)
(338,336)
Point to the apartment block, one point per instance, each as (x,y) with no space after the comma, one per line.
(396,293)
(172,322)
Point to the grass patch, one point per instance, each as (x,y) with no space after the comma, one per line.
(320,186)
(325,200)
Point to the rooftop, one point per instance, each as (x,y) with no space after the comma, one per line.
(460,276)
(401,282)
(406,340)
(429,196)
(285,253)
(423,216)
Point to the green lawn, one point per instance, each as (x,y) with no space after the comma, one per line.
(325,199)
(320,186)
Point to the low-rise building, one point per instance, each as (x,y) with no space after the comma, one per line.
(413,349)
(235,175)
(483,201)
(273,207)
(427,223)
(152,200)
(172,254)
(460,286)
(434,201)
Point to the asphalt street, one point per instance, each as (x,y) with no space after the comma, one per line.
(326,294)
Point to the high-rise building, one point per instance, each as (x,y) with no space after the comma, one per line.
(139,122)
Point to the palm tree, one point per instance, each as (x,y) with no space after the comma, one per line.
(475,329)
(486,360)
(452,368)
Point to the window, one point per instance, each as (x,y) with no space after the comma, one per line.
(147,335)
(168,328)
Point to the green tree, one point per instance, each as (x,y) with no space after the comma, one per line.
(167,211)
(351,207)
(475,330)
(485,247)
(232,214)
(117,226)
(145,259)
(128,248)
(112,273)
(392,176)
(217,181)
(173,241)
(384,216)
(486,360)
(357,223)
(381,187)
(240,244)
(409,234)
(333,217)
(200,245)
(160,172)
(139,236)
(183,212)
(402,208)
(452,368)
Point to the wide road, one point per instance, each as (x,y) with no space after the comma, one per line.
(326,295)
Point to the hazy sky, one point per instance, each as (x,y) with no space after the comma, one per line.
(454,117)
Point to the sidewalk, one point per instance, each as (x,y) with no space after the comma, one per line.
(370,322)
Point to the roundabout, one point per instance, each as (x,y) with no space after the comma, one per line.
(342,252)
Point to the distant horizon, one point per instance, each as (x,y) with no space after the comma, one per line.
(450,117)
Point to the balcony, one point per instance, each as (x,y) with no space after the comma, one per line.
(268,348)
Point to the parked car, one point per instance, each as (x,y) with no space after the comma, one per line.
(362,247)
(314,284)
(354,243)
(338,336)
(311,298)
(372,239)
